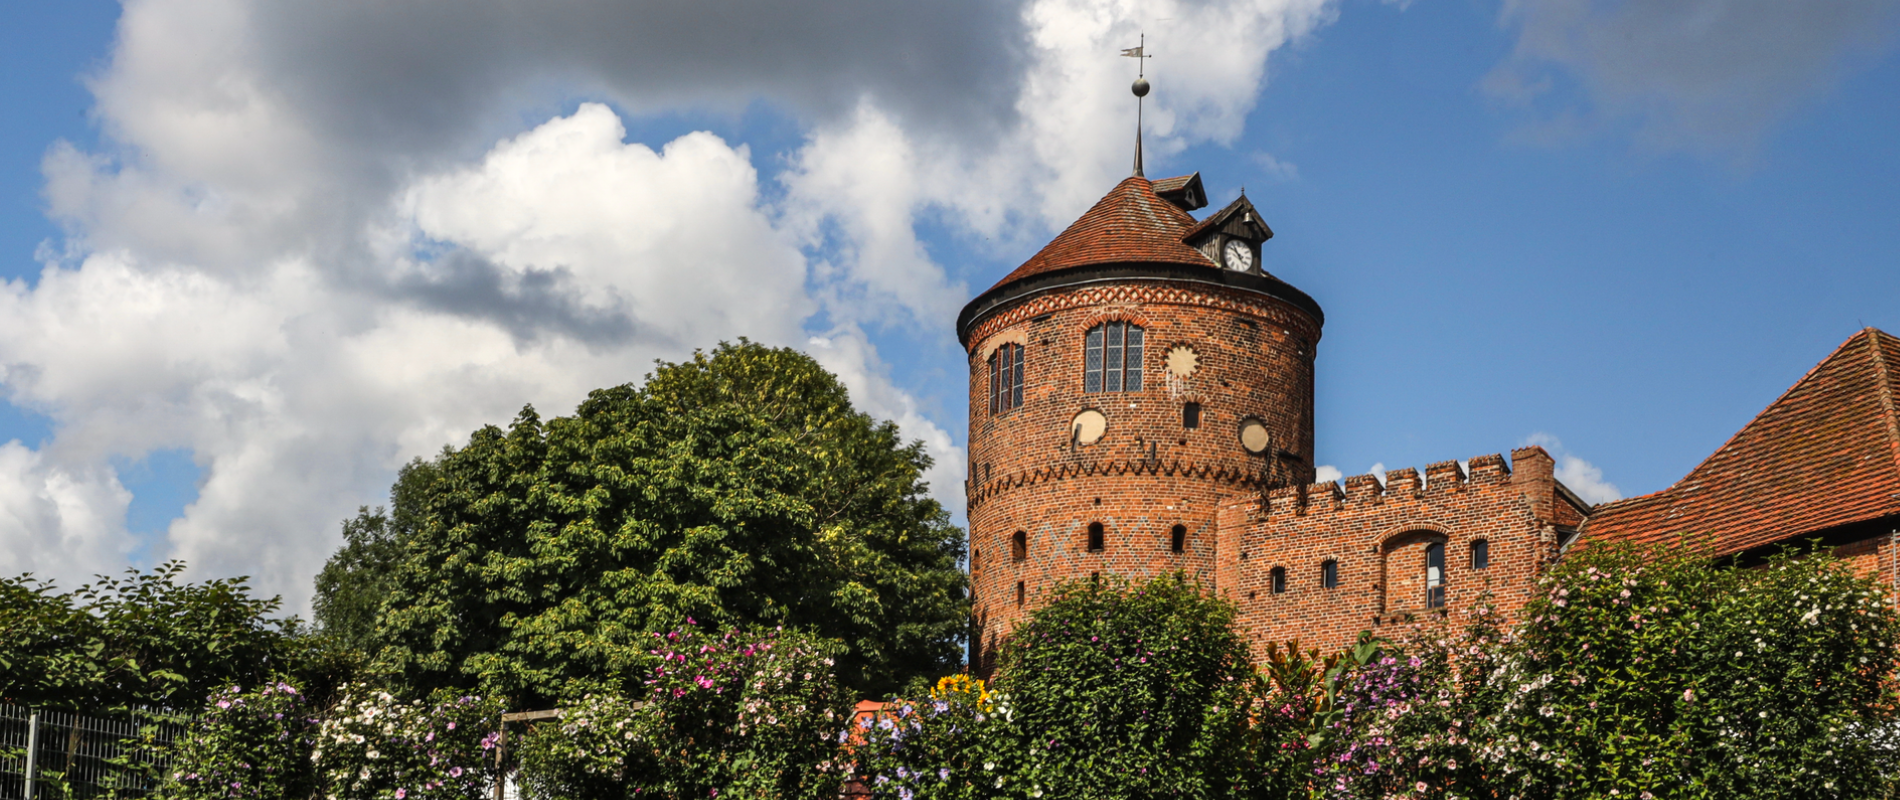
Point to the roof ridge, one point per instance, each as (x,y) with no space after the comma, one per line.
(1730,441)
(1883,388)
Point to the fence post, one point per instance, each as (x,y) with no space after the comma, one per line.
(32,750)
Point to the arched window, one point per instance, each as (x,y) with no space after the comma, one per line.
(1095,537)
(1006,378)
(1177,539)
(1111,358)
(1480,554)
(1279,580)
(1018,546)
(1190,415)
(1435,575)
(1329,574)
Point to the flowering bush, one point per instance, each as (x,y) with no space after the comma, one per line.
(1644,673)
(720,715)
(374,747)
(938,748)
(249,744)
(1401,723)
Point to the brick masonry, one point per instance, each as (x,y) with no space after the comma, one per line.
(1244,514)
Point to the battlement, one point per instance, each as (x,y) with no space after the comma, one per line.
(1440,478)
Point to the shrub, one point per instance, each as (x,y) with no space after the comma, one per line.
(249,744)
(374,747)
(1649,673)
(1115,690)
(722,715)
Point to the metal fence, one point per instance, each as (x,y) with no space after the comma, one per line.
(56,755)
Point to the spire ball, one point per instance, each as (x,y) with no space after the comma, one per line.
(1141,87)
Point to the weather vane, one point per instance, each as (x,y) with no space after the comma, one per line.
(1139,52)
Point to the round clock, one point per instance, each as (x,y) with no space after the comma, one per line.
(1237,256)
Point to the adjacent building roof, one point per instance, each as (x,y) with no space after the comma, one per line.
(1130,224)
(1826,454)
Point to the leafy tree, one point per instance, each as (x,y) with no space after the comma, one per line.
(358,577)
(146,640)
(738,488)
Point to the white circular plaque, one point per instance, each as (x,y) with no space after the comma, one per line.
(1254,436)
(1088,426)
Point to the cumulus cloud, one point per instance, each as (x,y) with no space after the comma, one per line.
(1581,476)
(321,239)
(1706,75)
(1327,473)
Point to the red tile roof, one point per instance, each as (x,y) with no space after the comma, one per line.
(1826,454)
(1130,224)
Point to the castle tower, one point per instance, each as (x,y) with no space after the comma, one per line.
(1136,371)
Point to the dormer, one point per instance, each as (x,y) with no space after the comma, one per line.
(1184,192)
(1231,236)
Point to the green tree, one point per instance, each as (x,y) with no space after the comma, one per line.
(737,489)
(358,577)
(146,640)
(1118,690)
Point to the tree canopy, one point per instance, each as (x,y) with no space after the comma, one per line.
(736,489)
(146,640)
(356,579)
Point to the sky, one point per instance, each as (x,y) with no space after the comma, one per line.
(255,256)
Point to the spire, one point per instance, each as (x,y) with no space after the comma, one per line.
(1140,88)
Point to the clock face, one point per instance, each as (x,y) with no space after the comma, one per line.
(1237,256)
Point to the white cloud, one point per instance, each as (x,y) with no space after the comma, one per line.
(1276,168)
(1704,75)
(1327,473)
(50,513)
(1581,476)
(321,239)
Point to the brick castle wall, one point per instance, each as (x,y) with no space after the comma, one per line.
(1148,473)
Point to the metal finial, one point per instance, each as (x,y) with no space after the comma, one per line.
(1139,52)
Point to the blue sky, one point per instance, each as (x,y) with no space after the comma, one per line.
(258,257)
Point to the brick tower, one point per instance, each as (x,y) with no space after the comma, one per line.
(1136,371)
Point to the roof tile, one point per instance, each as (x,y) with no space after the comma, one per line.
(1129,224)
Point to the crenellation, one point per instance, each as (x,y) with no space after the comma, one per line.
(1363,489)
(1489,469)
(1444,476)
(1323,496)
(1403,483)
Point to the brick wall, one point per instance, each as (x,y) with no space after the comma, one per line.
(1149,472)
(1378,536)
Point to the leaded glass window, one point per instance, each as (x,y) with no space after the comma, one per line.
(1111,358)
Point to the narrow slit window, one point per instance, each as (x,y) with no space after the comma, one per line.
(1279,580)
(1096,537)
(1111,358)
(1191,415)
(1177,539)
(1329,574)
(1019,546)
(1435,575)
(1480,554)
(1020,593)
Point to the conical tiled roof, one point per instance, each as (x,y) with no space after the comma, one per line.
(1824,455)
(1130,224)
